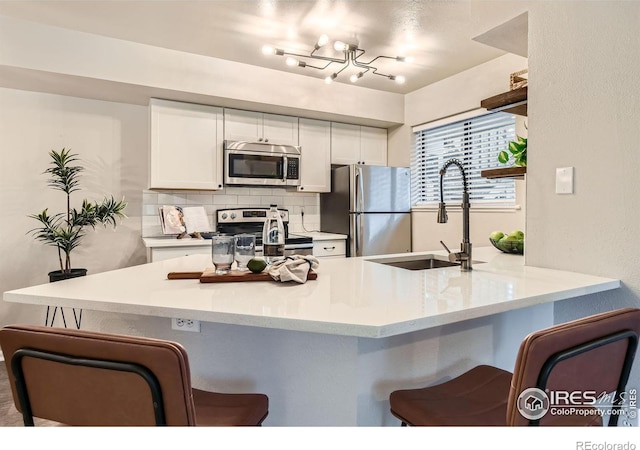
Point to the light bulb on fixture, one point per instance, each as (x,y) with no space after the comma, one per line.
(295,62)
(355,77)
(330,78)
(269,50)
(397,78)
(340,46)
(322,40)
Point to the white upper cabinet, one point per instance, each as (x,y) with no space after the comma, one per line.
(254,126)
(278,129)
(345,143)
(242,125)
(373,146)
(315,142)
(186,146)
(355,144)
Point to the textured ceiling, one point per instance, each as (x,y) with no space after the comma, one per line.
(438,35)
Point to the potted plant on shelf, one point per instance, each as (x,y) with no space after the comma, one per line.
(518,150)
(65,230)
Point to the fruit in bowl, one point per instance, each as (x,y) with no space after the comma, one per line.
(508,243)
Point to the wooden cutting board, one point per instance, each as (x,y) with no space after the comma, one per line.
(209,276)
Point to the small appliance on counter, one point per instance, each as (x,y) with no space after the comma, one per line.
(251,220)
(372,205)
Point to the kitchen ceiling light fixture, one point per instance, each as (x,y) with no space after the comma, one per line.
(351,56)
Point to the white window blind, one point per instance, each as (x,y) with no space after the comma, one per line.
(475,142)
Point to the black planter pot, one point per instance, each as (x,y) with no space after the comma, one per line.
(58,275)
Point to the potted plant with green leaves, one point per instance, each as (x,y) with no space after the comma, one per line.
(518,150)
(65,230)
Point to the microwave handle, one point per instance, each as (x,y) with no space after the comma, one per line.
(285,162)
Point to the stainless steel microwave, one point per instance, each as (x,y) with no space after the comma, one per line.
(261,164)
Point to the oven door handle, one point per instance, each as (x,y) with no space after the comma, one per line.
(297,246)
(291,249)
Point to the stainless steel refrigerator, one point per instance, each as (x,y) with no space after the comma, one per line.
(372,205)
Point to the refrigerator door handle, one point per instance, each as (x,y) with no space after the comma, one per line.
(359,189)
(358,235)
(353,234)
(354,245)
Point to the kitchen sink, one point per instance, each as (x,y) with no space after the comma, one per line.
(417,262)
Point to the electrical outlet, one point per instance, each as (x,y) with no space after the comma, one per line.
(186,325)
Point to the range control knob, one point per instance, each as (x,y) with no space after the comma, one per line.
(282,215)
(224,216)
(233,216)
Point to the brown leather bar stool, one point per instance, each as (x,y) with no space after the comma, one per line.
(590,354)
(85,378)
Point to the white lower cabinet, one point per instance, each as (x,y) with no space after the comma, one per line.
(156,254)
(334,248)
(322,248)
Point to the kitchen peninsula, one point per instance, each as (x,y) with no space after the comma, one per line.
(329,352)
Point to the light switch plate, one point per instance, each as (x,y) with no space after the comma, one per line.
(564,180)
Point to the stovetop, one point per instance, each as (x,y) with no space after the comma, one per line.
(251,220)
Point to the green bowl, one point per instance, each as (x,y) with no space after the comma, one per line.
(515,247)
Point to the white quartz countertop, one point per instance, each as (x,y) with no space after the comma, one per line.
(351,296)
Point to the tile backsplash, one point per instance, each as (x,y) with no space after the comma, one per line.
(233,197)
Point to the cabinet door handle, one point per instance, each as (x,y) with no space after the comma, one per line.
(330,249)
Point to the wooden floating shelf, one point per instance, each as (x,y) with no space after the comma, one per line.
(514,102)
(504,172)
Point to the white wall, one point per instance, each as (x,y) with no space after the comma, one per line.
(584,112)
(111,139)
(454,95)
(426,232)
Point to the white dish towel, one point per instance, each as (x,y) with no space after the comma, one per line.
(293,268)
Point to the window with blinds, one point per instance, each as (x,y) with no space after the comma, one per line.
(475,142)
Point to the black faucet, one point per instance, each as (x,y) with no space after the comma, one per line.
(464,255)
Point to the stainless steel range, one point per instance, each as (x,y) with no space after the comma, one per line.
(251,220)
